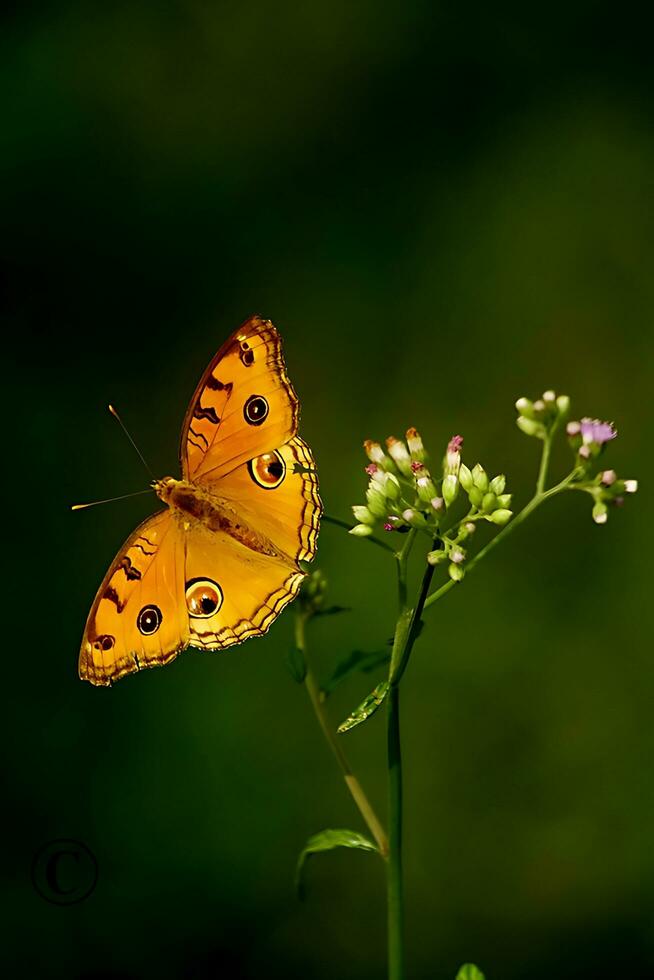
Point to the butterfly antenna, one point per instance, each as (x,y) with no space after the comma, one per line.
(124,428)
(110,500)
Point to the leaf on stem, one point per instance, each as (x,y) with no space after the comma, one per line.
(367,708)
(327,840)
(296,664)
(470,972)
(362,660)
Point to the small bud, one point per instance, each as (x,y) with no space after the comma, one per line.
(374,452)
(392,487)
(573,428)
(563,404)
(529,426)
(436,557)
(465,477)
(376,501)
(608,477)
(500,516)
(539,406)
(470,527)
(504,500)
(475,496)
(525,407)
(457,555)
(416,448)
(400,455)
(437,503)
(456,572)
(450,489)
(584,451)
(453,456)
(549,397)
(414,517)
(480,478)
(426,488)
(360,530)
(630,486)
(363,515)
(497,484)
(489,502)
(600,512)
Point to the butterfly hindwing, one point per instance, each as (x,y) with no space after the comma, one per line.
(277,493)
(234,591)
(138,618)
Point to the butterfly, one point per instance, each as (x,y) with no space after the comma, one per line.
(221,560)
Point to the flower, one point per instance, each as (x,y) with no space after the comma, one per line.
(592,430)
(453,456)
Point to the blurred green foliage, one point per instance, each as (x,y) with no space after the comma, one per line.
(442,208)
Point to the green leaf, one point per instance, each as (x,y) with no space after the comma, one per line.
(296,664)
(356,660)
(367,708)
(327,840)
(470,972)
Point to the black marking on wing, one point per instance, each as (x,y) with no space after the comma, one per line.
(213,384)
(131,572)
(199,435)
(206,413)
(196,445)
(111,594)
(149,554)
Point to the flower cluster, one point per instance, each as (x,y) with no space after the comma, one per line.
(587,439)
(403,493)
(540,418)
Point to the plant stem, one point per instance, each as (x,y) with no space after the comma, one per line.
(395,887)
(354,786)
(539,497)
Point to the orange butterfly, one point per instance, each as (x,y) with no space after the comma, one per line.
(220,562)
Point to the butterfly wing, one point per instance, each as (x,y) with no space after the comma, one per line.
(243,406)
(138,618)
(232,591)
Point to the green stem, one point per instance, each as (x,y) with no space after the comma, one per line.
(395,887)
(354,786)
(539,497)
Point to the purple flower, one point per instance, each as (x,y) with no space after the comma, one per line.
(455,444)
(371,469)
(592,430)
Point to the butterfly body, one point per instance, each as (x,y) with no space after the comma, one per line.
(195,508)
(221,560)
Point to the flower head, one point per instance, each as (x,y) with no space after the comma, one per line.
(592,430)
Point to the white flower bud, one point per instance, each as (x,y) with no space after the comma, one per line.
(630,486)
(400,455)
(426,488)
(563,404)
(436,557)
(456,572)
(414,517)
(437,503)
(457,555)
(416,448)
(609,477)
(360,530)
(600,513)
(363,515)
(525,407)
(573,428)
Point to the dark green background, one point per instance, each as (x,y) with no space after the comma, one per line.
(442,207)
